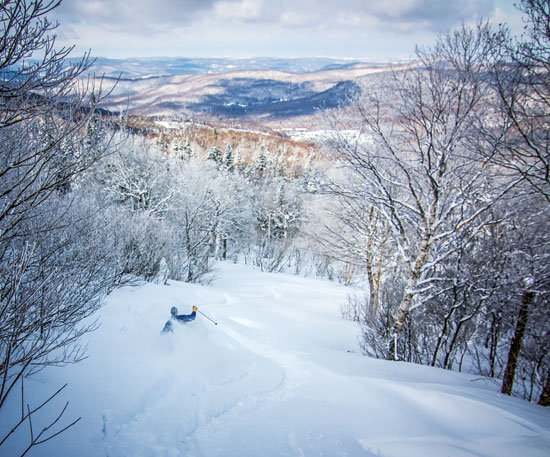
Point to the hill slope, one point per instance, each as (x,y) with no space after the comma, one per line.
(140,67)
(237,94)
(281,375)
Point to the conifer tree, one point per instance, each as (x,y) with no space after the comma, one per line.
(261,162)
(228,159)
(239,162)
(177,147)
(215,155)
(187,153)
(94,129)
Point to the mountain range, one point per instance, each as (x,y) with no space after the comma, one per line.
(140,67)
(259,90)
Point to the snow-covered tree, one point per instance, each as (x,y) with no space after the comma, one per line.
(51,274)
(228,159)
(278,213)
(140,177)
(353,233)
(521,73)
(182,151)
(94,129)
(239,162)
(261,162)
(517,139)
(216,156)
(418,170)
(197,216)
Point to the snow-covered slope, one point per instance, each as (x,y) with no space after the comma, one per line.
(281,375)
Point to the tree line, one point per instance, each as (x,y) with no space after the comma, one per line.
(444,203)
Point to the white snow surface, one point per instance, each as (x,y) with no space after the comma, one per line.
(281,375)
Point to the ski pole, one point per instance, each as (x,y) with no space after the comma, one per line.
(211,320)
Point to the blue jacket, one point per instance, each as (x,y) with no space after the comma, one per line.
(183,318)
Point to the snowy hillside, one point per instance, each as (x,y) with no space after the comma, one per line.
(281,375)
(238,93)
(139,68)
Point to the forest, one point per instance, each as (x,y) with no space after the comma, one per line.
(435,210)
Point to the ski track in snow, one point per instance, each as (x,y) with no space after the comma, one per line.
(207,422)
(292,375)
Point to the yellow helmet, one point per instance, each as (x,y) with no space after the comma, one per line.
(195,308)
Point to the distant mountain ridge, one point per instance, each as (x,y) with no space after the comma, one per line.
(243,97)
(259,91)
(155,66)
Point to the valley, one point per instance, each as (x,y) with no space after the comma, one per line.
(273,93)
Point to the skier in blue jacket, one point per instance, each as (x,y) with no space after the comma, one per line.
(182,318)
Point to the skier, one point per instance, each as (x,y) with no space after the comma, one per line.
(183,318)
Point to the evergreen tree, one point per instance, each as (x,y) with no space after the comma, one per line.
(182,151)
(228,159)
(177,147)
(311,177)
(239,162)
(216,155)
(187,153)
(94,129)
(261,163)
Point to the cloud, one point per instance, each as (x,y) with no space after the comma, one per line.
(131,15)
(135,15)
(182,27)
(431,14)
(239,11)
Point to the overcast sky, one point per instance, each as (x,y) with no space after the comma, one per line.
(378,29)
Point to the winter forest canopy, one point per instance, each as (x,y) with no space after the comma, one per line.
(430,195)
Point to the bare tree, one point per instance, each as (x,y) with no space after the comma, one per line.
(353,232)
(415,162)
(520,69)
(521,72)
(52,277)
(278,216)
(139,177)
(33,73)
